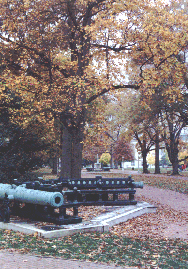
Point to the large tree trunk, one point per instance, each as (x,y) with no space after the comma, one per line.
(66,156)
(173,156)
(144,156)
(157,168)
(71,160)
(174,161)
(77,146)
(145,165)
(175,167)
(172,147)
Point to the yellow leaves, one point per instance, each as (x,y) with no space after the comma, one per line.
(105,158)
(182,155)
(149,27)
(35,234)
(151,158)
(162,35)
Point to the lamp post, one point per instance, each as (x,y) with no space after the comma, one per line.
(138,163)
(122,163)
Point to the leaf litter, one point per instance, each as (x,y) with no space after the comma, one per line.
(141,241)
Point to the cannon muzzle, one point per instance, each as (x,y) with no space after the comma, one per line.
(21,194)
(137,184)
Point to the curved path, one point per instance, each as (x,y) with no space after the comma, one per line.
(175,200)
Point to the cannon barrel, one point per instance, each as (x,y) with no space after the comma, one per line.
(139,184)
(24,195)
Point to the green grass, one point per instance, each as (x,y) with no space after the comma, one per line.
(107,248)
(163,181)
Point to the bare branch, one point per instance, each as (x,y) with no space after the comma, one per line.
(105,90)
(113,48)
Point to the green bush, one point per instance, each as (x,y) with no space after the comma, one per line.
(105,158)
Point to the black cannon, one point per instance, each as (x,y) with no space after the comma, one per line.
(47,200)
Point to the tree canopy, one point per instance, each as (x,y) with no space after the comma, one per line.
(22,148)
(62,55)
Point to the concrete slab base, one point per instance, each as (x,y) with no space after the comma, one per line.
(101,223)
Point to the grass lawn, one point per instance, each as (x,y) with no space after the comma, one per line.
(161,181)
(164,182)
(107,248)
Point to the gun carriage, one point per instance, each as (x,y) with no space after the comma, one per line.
(48,200)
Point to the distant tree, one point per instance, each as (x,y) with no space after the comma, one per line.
(105,158)
(151,158)
(91,149)
(95,141)
(183,152)
(173,118)
(164,160)
(124,149)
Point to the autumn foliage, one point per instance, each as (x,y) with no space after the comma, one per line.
(60,56)
(123,149)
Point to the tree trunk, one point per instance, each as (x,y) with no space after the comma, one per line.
(173,151)
(175,167)
(173,157)
(57,133)
(77,146)
(66,156)
(71,160)
(144,156)
(54,169)
(111,153)
(145,165)
(116,164)
(157,167)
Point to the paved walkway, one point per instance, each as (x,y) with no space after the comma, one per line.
(12,260)
(175,200)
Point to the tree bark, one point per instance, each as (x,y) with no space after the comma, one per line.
(54,169)
(172,150)
(66,156)
(175,167)
(71,160)
(144,156)
(157,167)
(145,165)
(77,146)
(172,147)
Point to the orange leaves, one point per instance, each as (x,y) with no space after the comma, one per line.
(62,58)
(162,38)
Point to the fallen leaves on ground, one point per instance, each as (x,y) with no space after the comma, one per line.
(138,242)
(155,225)
(103,247)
